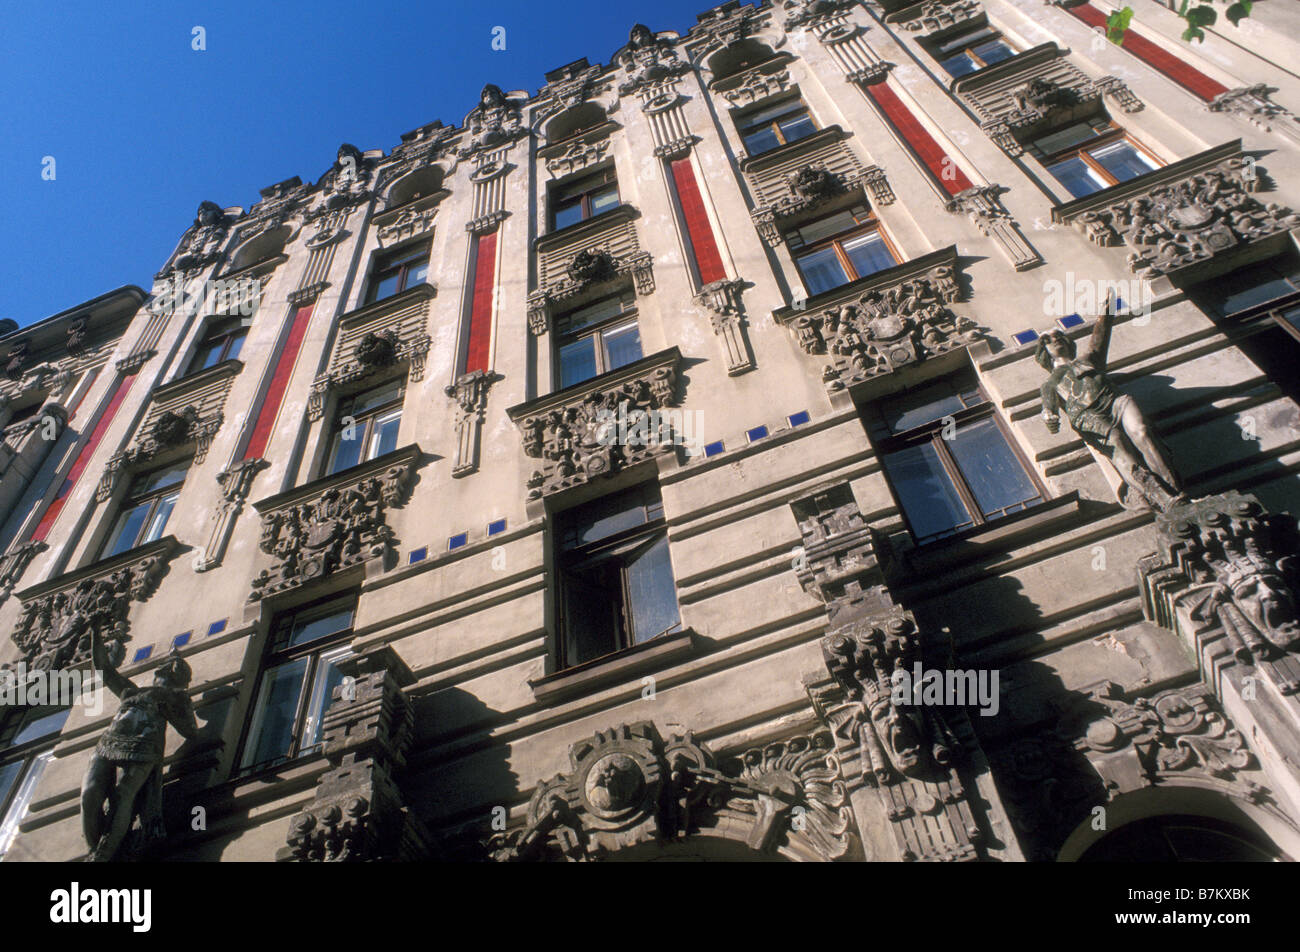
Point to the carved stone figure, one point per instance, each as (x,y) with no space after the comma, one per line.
(1105,419)
(494,121)
(202,243)
(126,768)
(647,59)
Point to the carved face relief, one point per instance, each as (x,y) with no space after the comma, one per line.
(614,783)
(900,732)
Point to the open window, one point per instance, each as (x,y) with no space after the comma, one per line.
(616,580)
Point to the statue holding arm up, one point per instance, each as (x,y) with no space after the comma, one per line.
(126,768)
(1107,420)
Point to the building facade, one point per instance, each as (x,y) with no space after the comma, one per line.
(669,464)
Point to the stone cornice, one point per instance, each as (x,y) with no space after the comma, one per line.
(915,268)
(612,380)
(227,368)
(406,456)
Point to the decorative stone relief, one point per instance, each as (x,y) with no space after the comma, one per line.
(882,325)
(14,563)
(332,524)
(982,205)
(809,13)
(384,337)
(902,748)
(470,393)
(761,82)
(722,299)
(236,482)
(495,122)
(601,428)
(358,813)
(584,264)
(932,16)
(1183,214)
(348,182)
(1107,743)
(647,58)
(59,617)
(627,786)
(1232,568)
(411,222)
(201,244)
(1252,103)
(577,156)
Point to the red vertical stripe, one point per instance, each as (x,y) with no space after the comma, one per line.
(83,458)
(707,259)
(279,383)
(1158,58)
(480,310)
(945,171)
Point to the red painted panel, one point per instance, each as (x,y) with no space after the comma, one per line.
(480,309)
(707,259)
(83,458)
(1189,77)
(270,408)
(945,171)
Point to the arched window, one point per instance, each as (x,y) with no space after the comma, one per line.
(1180,838)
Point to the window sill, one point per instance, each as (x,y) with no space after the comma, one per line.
(992,538)
(197,378)
(783,152)
(614,668)
(621,212)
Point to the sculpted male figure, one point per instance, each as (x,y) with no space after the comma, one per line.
(126,768)
(1107,420)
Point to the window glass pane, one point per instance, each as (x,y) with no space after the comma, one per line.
(821,270)
(796,127)
(406,257)
(160,478)
(315,628)
(924,406)
(602,310)
(1064,138)
(1292,316)
(1122,160)
(925,492)
(604,200)
(991,469)
(967,38)
(17,811)
(236,344)
(161,514)
(959,65)
(42,726)
(994,51)
(608,515)
(9,778)
(385,286)
(328,677)
(417,274)
(270,736)
(208,354)
(347,452)
(760,140)
(652,595)
(383,437)
(378,397)
(868,254)
(568,214)
(1077,177)
(577,361)
(592,597)
(769,113)
(127,530)
(1247,287)
(825,227)
(623,345)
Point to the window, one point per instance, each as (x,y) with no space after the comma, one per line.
(366,426)
(297,680)
(222,340)
(774,126)
(840,248)
(948,459)
(1086,157)
(27,742)
(584,198)
(1259,307)
(597,338)
(148,504)
(398,270)
(972,50)
(616,580)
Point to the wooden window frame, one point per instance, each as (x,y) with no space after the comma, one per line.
(1112,134)
(608,176)
(968,48)
(230,328)
(402,269)
(364,422)
(133,501)
(747,128)
(627,315)
(871,224)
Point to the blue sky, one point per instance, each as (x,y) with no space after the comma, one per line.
(142,127)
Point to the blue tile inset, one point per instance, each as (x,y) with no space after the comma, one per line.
(495,528)
(714,448)
(417,555)
(800,418)
(217,627)
(142,655)
(757,433)
(456,541)
(1069,322)
(1024,338)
